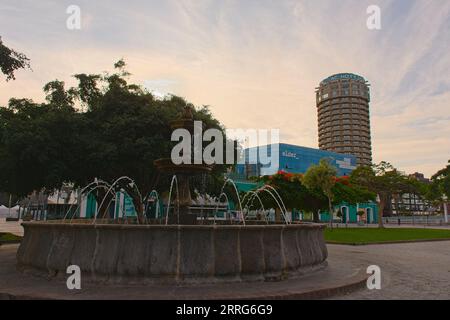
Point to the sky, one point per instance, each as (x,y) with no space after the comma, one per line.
(256,63)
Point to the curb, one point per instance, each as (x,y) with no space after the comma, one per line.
(322,293)
(318,294)
(6,242)
(384,242)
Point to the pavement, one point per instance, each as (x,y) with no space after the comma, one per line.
(13,227)
(413,271)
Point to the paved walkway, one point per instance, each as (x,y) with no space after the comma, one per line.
(13,227)
(418,270)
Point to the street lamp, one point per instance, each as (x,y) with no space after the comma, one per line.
(444,197)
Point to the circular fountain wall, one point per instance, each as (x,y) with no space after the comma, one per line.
(173,253)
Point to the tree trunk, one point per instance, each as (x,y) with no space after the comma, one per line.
(330,212)
(316,217)
(380,211)
(278,215)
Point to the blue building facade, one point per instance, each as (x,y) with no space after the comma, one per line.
(297,159)
(292,159)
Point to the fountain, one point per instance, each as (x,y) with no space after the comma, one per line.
(177,249)
(182,173)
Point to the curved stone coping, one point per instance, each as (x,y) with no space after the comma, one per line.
(175,253)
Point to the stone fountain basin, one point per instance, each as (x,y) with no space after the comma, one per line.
(141,254)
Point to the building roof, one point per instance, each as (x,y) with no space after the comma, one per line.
(343,76)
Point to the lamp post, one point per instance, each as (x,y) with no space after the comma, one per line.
(9,206)
(444,197)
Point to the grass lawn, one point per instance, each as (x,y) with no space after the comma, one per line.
(9,237)
(374,235)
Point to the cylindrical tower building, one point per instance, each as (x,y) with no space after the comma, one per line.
(343,116)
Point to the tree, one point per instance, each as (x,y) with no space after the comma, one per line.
(438,192)
(441,179)
(383,180)
(37,146)
(57,96)
(120,132)
(11,60)
(322,176)
(294,193)
(344,191)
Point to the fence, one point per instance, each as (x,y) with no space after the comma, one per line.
(415,220)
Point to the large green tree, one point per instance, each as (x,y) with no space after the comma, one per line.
(294,193)
(344,191)
(438,191)
(383,180)
(322,177)
(104,127)
(441,180)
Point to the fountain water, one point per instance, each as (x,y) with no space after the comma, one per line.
(152,195)
(276,200)
(241,214)
(174,180)
(223,194)
(96,182)
(254,195)
(131,184)
(87,194)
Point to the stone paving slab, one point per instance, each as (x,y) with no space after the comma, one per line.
(13,227)
(413,271)
(338,278)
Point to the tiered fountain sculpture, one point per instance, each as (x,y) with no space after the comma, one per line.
(183,172)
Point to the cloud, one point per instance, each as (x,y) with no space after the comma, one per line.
(161,87)
(257,62)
